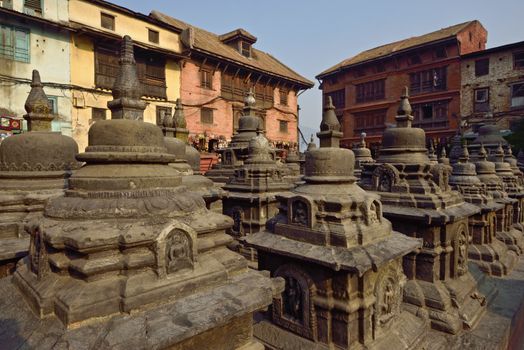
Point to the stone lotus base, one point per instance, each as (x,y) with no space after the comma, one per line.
(218,319)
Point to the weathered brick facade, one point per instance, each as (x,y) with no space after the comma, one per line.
(372,81)
(488,79)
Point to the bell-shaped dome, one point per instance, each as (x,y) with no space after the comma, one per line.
(489,135)
(40,149)
(464,173)
(193,158)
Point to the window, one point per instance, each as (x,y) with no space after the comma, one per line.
(206,116)
(245,49)
(414,59)
(107,21)
(428,80)
(431,115)
(338,97)
(53,104)
(518,60)
(482,67)
(14,43)
(33,7)
(371,91)
(206,79)
(371,122)
(440,52)
(153,35)
(98,114)
(283,97)
(161,112)
(8,4)
(283,126)
(517,95)
(481,100)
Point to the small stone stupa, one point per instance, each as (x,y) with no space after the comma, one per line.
(34,167)
(440,283)
(234,155)
(362,155)
(174,135)
(506,231)
(128,258)
(250,197)
(489,253)
(294,167)
(341,261)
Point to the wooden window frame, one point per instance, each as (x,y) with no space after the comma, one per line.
(33,7)
(512,92)
(518,63)
(283,126)
(153,36)
(284,97)
(481,67)
(414,59)
(481,106)
(110,17)
(207,119)
(441,49)
(11,44)
(338,97)
(370,91)
(206,79)
(428,80)
(244,48)
(439,114)
(372,122)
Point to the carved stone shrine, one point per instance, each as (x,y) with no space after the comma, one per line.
(250,197)
(340,259)
(489,253)
(440,284)
(34,167)
(362,155)
(128,258)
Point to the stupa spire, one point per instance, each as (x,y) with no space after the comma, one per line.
(464,154)
(404,117)
(37,106)
(127,89)
(311,145)
(483,155)
(249,103)
(330,133)
(179,118)
(362,140)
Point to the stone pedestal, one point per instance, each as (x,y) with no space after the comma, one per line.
(416,197)
(341,262)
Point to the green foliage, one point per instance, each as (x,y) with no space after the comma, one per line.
(516,139)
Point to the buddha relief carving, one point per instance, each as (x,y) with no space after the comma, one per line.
(178,251)
(299,213)
(385,177)
(292,300)
(462,252)
(37,252)
(388,292)
(373,213)
(238,217)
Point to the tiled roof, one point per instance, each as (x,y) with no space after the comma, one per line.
(392,48)
(210,44)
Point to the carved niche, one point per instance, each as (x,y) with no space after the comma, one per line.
(37,252)
(228,158)
(462,250)
(388,292)
(385,178)
(294,309)
(175,249)
(300,212)
(372,212)
(237,213)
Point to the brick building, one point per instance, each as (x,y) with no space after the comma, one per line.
(493,86)
(365,88)
(218,73)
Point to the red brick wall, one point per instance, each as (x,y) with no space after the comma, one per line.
(472,38)
(194,97)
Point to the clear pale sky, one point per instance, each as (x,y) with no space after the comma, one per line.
(310,36)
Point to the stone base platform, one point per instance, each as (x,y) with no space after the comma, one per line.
(12,250)
(218,318)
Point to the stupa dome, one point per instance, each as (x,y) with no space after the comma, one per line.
(39,149)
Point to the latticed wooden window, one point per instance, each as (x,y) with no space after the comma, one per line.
(283,97)
(33,6)
(14,43)
(206,116)
(206,79)
(153,35)
(245,49)
(370,91)
(283,126)
(518,60)
(107,21)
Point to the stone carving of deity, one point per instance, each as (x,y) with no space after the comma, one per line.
(384,184)
(178,252)
(238,217)
(462,259)
(300,213)
(292,299)
(388,299)
(372,213)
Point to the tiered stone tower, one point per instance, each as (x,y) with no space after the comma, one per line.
(250,197)
(294,167)
(491,255)
(341,261)
(439,282)
(236,153)
(362,155)
(128,258)
(34,167)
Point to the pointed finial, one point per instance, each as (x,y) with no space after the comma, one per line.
(37,105)
(127,89)
(509,151)
(179,119)
(464,155)
(249,99)
(500,150)
(404,117)
(443,153)
(329,118)
(311,145)
(483,155)
(363,140)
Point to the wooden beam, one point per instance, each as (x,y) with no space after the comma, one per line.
(216,68)
(202,64)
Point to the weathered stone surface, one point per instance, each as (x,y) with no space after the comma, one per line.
(418,200)
(341,262)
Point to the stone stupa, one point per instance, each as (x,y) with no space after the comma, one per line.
(128,258)
(362,155)
(489,253)
(341,261)
(234,155)
(34,167)
(440,283)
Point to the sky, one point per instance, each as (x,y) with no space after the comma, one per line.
(311,36)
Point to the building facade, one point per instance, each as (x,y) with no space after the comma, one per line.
(30,37)
(493,86)
(365,88)
(215,79)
